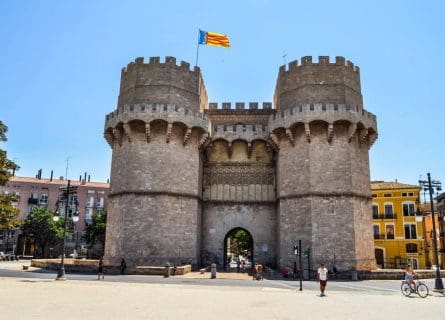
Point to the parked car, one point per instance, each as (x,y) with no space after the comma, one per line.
(2,256)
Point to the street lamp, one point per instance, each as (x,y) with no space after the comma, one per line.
(75,217)
(429,185)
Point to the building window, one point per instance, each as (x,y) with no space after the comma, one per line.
(404,194)
(387,195)
(410,231)
(408,209)
(376,231)
(44,199)
(389,231)
(374,195)
(413,262)
(388,211)
(375,211)
(411,248)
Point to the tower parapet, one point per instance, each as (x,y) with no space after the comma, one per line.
(322,82)
(162,82)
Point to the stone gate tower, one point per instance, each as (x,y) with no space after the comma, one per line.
(323,135)
(186,173)
(155,134)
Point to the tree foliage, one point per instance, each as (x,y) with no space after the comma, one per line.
(40,225)
(95,231)
(6,166)
(8,214)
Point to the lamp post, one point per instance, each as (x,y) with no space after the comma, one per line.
(61,272)
(429,185)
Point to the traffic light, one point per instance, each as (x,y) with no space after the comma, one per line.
(307,252)
(296,250)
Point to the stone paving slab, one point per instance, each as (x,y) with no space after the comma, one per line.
(49,299)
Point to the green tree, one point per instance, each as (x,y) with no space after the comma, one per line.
(6,166)
(40,225)
(8,214)
(95,231)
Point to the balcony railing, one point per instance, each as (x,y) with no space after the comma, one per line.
(384,216)
(379,236)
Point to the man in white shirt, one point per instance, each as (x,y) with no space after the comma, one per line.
(322,277)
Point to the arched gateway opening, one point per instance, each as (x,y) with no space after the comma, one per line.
(238,250)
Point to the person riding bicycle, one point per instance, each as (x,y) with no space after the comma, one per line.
(409,275)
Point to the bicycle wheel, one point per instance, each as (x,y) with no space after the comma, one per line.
(406,289)
(422,290)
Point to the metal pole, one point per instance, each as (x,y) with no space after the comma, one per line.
(197,48)
(61,273)
(301,265)
(309,263)
(438,285)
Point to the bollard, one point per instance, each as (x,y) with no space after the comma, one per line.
(167,270)
(213,271)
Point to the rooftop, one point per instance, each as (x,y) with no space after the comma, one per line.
(60,182)
(381,185)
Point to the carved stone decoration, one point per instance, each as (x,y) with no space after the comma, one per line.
(274,141)
(147,132)
(352,130)
(187,135)
(169,132)
(330,132)
(372,138)
(307,130)
(363,135)
(238,173)
(117,135)
(127,131)
(109,138)
(204,139)
(290,136)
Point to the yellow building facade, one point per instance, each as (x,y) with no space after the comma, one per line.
(398,232)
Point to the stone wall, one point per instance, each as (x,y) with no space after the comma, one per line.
(219,219)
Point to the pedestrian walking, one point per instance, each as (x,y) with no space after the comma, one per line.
(123,266)
(322,278)
(100,269)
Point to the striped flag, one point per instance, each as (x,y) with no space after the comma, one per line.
(213,39)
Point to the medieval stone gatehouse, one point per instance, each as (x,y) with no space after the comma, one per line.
(186,172)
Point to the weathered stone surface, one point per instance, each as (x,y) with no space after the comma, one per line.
(183,177)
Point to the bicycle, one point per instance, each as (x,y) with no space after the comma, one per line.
(420,288)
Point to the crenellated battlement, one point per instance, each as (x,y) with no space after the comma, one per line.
(162,82)
(240,106)
(156,62)
(322,61)
(245,132)
(311,82)
(328,112)
(157,111)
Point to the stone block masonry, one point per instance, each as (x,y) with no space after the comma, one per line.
(186,173)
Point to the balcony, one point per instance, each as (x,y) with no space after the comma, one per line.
(442,235)
(379,236)
(384,216)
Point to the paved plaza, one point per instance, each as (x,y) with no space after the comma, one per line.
(36,295)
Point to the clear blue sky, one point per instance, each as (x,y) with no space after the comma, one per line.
(60,67)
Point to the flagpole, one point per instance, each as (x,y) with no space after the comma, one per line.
(197,48)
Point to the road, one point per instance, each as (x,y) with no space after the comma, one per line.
(13,269)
